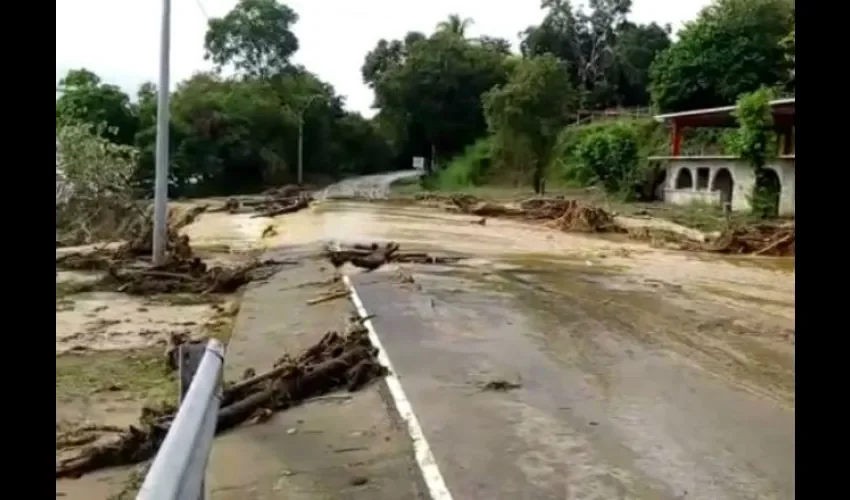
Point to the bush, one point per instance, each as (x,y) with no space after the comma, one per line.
(472,168)
(652,139)
(95,175)
(610,158)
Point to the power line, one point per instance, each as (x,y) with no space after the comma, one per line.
(202,9)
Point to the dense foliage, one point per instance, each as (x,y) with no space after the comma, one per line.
(752,142)
(469,104)
(733,47)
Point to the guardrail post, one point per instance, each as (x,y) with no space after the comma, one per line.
(178,470)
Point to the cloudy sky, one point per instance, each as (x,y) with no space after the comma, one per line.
(119,39)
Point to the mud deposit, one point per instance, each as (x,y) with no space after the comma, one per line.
(115,320)
(679,356)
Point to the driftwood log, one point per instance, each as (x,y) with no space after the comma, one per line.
(373,256)
(338,361)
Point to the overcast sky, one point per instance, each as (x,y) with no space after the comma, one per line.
(119,39)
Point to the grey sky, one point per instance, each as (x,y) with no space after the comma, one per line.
(119,39)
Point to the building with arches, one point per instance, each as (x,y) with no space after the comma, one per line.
(726,180)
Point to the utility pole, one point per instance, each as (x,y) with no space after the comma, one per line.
(160,213)
(301,148)
(301,137)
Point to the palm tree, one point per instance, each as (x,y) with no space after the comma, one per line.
(455,25)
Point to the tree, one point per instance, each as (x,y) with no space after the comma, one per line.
(429,91)
(455,25)
(733,47)
(86,100)
(636,49)
(255,38)
(609,157)
(385,56)
(789,47)
(97,174)
(608,57)
(530,109)
(495,44)
(752,142)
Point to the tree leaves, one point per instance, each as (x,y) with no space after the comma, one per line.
(255,38)
(531,108)
(733,47)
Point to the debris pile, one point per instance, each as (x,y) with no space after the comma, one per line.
(762,239)
(338,361)
(373,256)
(273,202)
(578,216)
(128,268)
(563,214)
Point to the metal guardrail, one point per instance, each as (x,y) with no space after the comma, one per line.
(178,471)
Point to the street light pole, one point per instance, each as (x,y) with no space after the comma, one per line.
(160,214)
(301,137)
(301,148)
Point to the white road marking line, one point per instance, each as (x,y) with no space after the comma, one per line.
(424,458)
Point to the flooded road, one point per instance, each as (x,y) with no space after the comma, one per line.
(644,373)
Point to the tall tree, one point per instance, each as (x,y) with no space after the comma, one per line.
(85,99)
(608,56)
(431,95)
(255,38)
(455,25)
(531,109)
(732,48)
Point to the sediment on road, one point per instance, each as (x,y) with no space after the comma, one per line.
(768,238)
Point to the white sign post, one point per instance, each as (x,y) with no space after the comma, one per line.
(419,163)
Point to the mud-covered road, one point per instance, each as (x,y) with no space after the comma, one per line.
(642,373)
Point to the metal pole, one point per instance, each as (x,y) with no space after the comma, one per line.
(301,136)
(301,148)
(160,213)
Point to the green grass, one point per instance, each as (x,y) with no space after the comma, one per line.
(706,218)
(141,374)
(410,188)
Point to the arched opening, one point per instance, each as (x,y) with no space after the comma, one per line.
(658,185)
(684,179)
(766,196)
(724,183)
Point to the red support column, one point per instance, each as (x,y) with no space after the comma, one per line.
(677,138)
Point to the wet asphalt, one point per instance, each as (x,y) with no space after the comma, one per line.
(600,415)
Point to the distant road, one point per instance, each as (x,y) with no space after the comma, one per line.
(368,186)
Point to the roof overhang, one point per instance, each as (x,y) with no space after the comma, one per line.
(783,115)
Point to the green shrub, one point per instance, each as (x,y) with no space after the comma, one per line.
(472,168)
(652,139)
(608,157)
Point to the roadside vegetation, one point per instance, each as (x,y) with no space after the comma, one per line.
(479,111)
